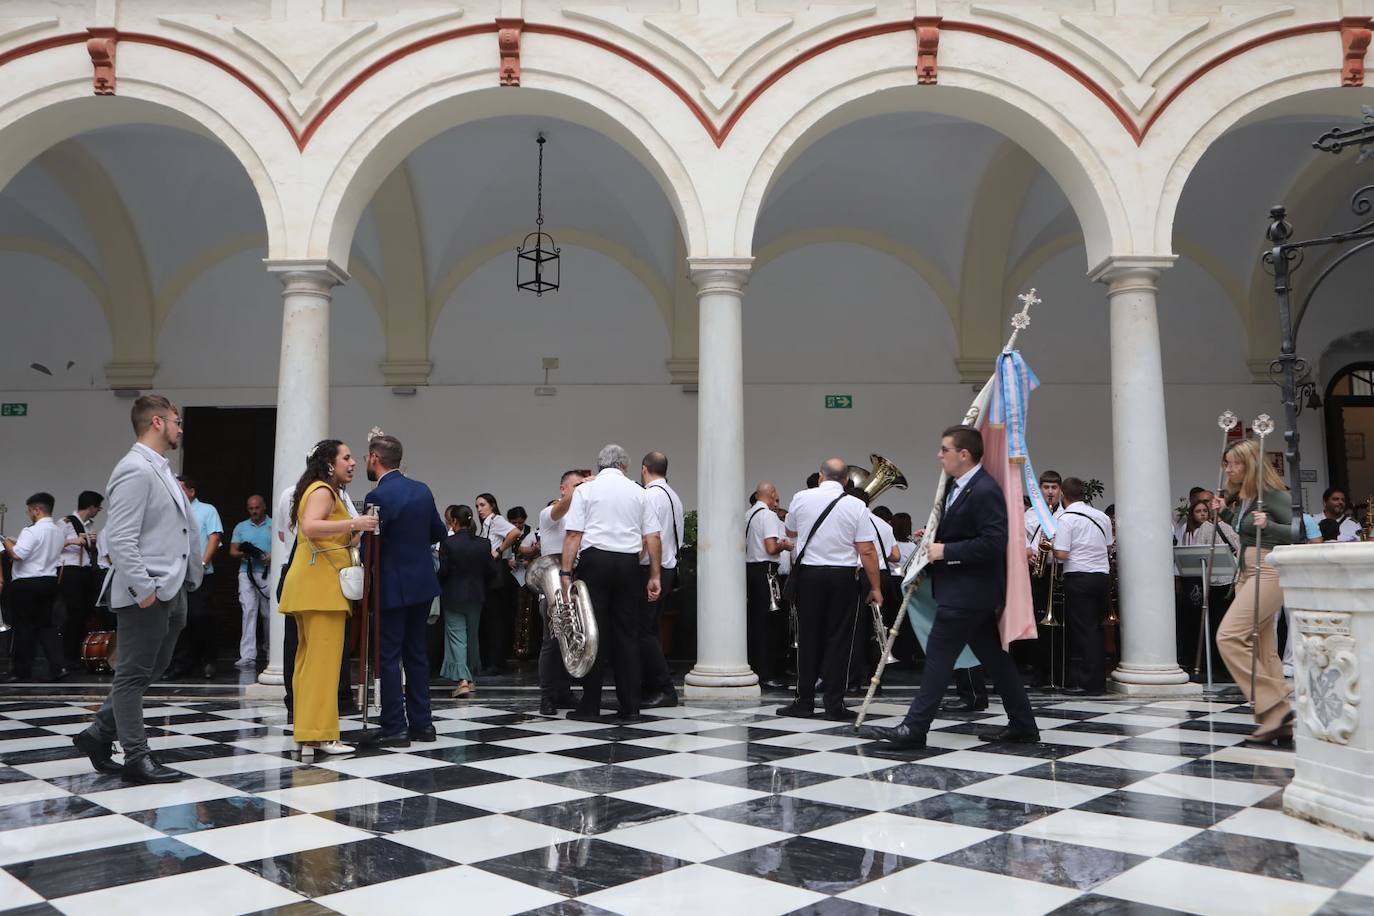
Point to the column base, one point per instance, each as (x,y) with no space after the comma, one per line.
(272,678)
(706,683)
(1155,690)
(265,693)
(1137,681)
(1329,807)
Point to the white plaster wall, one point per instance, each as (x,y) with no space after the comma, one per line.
(47,316)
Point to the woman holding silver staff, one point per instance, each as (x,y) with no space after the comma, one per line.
(1258,506)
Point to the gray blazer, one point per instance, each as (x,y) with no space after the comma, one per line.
(152,541)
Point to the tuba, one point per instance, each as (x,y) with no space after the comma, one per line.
(570,622)
(883,476)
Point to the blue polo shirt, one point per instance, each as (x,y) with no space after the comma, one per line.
(260,536)
(207,523)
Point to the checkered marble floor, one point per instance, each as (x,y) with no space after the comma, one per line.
(1125,808)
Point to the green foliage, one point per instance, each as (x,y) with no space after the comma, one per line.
(1092,489)
(687,556)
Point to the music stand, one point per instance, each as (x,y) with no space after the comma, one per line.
(1192,562)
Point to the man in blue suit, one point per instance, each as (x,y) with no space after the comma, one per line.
(969,580)
(409,585)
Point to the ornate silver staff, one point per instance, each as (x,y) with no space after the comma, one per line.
(917,565)
(1226,422)
(1263,426)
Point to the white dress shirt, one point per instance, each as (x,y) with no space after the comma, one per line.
(38,549)
(906,549)
(75,554)
(845,526)
(1086,534)
(1032,521)
(612,512)
(760,524)
(885,541)
(520,562)
(551,533)
(668,510)
(164,467)
(1350,530)
(495,528)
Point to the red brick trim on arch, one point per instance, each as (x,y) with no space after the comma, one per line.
(101,47)
(719,134)
(1355,35)
(508,44)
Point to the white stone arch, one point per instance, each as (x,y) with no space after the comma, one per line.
(1275,92)
(368,137)
(156,86)
(1058,144)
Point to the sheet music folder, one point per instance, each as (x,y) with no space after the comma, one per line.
(1189,562)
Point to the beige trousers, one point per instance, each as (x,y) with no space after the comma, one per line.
(1237,634)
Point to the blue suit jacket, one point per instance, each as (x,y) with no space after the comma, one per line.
(973,573)
(410,524)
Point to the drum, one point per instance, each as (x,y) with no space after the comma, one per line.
(98,651)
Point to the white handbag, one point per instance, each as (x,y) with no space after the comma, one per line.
(351,582)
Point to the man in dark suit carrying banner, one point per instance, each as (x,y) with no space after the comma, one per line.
(409,584)
(969,580)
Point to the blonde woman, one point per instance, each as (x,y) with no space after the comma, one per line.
(311,593)
(1249,646)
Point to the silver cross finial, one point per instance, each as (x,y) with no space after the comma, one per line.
(1263,425)
(1227,421)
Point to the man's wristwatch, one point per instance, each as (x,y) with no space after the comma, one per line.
(564,573)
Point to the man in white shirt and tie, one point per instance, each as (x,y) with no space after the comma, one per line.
(657,680)
(765,545)
(609,524)
(33,591)
(836,539)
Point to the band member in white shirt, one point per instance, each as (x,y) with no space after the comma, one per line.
(765,544)
(555,687)
(33,590)
(1336,507)
(497,628)
(865,660)
(1081,542)
(836,540)
(78,577)
(608,525)
(657,681)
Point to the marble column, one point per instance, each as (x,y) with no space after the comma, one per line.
(302,406)
(1140,450)
(722,667)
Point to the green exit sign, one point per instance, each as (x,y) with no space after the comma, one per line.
(14,410)
(839,401)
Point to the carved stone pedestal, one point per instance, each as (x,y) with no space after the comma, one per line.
(1330,590)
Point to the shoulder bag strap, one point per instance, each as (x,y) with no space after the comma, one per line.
(1093,520)
(749,521)
(817,524)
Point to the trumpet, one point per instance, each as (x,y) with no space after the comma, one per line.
(1044,554)
(774,590)
(880,633)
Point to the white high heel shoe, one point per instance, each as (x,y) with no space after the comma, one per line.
(305,752)
(334,747)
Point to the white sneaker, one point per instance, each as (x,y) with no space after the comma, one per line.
(334,747)
(246,663)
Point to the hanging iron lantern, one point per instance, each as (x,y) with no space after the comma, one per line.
(536,261)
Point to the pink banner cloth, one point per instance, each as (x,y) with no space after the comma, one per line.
(1018,616)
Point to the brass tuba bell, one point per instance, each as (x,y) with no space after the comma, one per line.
(883,477)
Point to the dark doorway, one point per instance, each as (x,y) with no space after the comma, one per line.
(228,453)
(1350,431)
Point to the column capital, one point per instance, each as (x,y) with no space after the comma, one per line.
(307,274)
(1131,271)
(720,275)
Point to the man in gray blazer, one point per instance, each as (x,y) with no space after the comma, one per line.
(151,535)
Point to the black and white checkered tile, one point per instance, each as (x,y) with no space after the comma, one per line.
(1126,808)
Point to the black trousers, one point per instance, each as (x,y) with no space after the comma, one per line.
(554,680)
(655,676)
(196,645)
(613,584)
(865,661)
(827,597)
(955,628)
(766,630)
(31,602)
(971,684)
(496,629)
(77,588)
(292,642)
(1087,598)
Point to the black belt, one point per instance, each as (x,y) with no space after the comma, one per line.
(852,569)
(1067,574)
(613,553)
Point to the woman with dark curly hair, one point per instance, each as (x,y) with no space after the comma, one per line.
(325,532)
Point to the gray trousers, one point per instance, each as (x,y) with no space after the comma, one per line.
(147,637)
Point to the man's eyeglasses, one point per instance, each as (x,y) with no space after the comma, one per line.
(177,420)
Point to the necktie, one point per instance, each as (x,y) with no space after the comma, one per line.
(949,492)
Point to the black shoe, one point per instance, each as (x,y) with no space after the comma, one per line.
(841,714)
(99,752)
(147,771)
(349,709)
(565,701)
(12,679)
(209,670)
(773,684)
(660,700)
(363,737)
(400,739)
(59,676)
(627,718)
(792,710)
(585,715)
(1010,735)
(547,707)
(171,674)
(1074,691)
(901,736)
(963,705)
(425,735)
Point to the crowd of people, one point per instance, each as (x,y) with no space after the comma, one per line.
(810,571)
